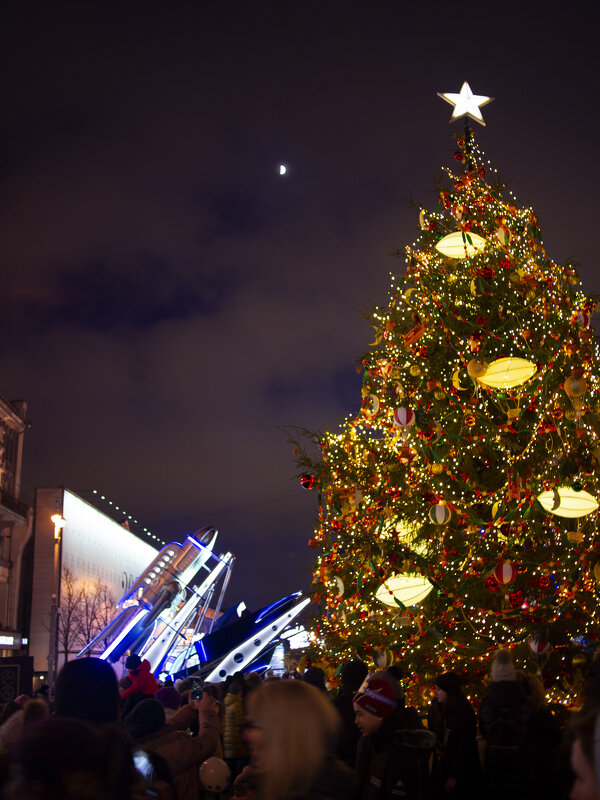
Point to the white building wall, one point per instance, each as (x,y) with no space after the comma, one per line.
(96,548)
(93,546)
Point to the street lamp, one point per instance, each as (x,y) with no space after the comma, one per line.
(59,523)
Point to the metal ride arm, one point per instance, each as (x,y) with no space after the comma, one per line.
(156,594)
(157,650)
(242,655)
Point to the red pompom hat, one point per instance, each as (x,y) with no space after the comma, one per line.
(378,697)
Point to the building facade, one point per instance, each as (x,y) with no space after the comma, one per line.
(76,548)
(15,530)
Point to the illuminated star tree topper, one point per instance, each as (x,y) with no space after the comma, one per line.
(466,104)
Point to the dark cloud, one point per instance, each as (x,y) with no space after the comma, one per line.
(170,301)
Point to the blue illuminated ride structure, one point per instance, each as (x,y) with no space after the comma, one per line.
(162,615)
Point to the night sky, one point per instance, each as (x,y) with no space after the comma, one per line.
(169,301)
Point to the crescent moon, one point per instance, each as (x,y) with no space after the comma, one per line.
(408,293)
(456,381)
(340,585)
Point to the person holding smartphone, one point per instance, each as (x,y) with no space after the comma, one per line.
(183,754)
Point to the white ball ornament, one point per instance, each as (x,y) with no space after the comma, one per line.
(439,514)
(404,417)
(214,774)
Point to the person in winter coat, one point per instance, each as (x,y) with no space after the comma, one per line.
(393,752)
(62,758)
(183,754)
(352,675)
(82,750)
(452,719)
(235,752)
(291,734)
(505,722)
(169,698)
(545,737)
(143,683)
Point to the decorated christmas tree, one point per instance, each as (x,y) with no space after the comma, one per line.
(458,508)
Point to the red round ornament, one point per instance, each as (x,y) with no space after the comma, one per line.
(308,481)
(505,573)
(583,319)
(538,645)
(516,598)
(404,417)
(486,272)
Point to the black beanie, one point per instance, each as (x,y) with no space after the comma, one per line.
(87,689)
(147,717)
(316,677)
(353,673)
(133,661)
(449,682)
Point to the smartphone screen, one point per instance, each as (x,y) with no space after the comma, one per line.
(143,764)
(197,690)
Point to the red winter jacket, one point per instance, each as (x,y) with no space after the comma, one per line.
(142,681)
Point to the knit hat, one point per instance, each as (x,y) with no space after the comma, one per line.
(316,677)
(168,697)
(387,675)
(147,717)
(353,673)
(133,661)
(449,682)
(502,667)
(87,689)
(378,697)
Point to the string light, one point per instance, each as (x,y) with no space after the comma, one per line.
(129,517)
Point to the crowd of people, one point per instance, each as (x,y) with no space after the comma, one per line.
(292,739)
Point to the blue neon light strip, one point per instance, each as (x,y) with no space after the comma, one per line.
(275,606)
(123,634)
